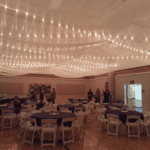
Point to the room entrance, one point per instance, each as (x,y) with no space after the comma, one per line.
(133,96)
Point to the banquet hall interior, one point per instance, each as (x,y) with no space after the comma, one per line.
(74,74)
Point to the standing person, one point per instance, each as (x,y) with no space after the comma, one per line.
(34,97)
(17,105)
(41,96)
(53,96)
(90,95)
(97,96)
(48,96)
(106,94)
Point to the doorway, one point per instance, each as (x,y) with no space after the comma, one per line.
(133,96)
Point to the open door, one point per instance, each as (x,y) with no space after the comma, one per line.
(133,96)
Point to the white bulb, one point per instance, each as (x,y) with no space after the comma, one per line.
(125,37)
(34,16)
(73,28)
(58,36)
(132,38)
(35,35)
(27,35)
(51,21)
(1,34)
(117,36)
(43,35)
(59,24)
(27,13)
(146,39)
(66,26)
(51,36)
(43,19)
(19,35)
(5,6)
(9,33)
(66,36)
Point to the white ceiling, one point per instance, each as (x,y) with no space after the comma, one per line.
(87,50)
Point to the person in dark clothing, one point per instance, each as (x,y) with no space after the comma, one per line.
(106,94)
(90,95)
(17,105)
(97,96)
(53,96)
(41,96)
(34,97)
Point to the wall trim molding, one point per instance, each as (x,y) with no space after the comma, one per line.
(133,74)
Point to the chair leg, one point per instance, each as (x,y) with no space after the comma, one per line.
(72,135)
(63,133)
(108,129)
(117,131)
(33,137)
(147,131)
(128,132)
(24,136)
(41,139)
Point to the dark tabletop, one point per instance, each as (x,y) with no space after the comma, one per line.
(123,115)
(59,116)
(70,107)
(11,108)
(115,105)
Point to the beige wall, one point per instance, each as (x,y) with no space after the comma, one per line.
(53,82)
(98,82)
(143,79)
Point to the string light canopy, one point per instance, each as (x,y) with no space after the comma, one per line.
(84,38)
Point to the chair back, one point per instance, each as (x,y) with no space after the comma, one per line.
(132,117)
(25,110)
(112,117)
(78,108)
(68,119)
(147,119)
(50,121)
(7,112)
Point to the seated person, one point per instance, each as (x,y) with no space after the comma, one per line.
(48,96)
(10,103)
(17,103)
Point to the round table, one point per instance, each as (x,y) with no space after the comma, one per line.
(47,115)
(123,115)
(70,107)
(11,108)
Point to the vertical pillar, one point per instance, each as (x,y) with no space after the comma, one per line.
(111,84)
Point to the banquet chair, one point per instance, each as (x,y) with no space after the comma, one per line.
(48,126)
(22,125)
(78,124)
(91,104)
(63,129)
(25,112)
(78,109)
(63,108)
(66,110)
(115,108)
(133,124)
(88,113)
(113,119)
(7,115)
(29,127)
(147,123)
(100,120)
